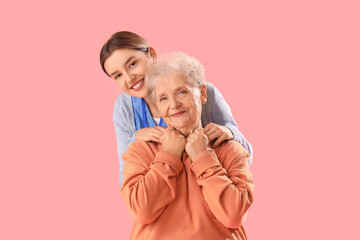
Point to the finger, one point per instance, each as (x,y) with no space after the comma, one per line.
(169,128)
(212,130)
(199,134)
(230,136)
(214,135)
(219,141)
(182,137)
(158,130)
(190,137)
(162,129)
(178,132)
(153,138)
(157,134)
(198,131)
(208,127)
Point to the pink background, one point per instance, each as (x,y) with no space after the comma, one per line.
(289,70)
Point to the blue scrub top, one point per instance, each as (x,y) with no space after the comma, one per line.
(142,115)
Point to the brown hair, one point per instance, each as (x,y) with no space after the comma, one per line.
(122,39)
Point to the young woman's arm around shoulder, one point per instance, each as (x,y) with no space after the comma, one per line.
(217,120)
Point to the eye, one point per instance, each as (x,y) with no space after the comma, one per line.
(162,99)
(117,76)
(132,64)
(182,92)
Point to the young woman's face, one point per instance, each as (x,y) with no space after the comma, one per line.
(127,67)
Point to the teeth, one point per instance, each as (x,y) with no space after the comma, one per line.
(137,85)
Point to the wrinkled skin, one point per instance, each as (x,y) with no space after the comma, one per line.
(180,104)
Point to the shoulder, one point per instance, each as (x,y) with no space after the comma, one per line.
(122,100)
(209,85)
(210,88)
(213,93)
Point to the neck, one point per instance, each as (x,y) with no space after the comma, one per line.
(152,107)
(187,131)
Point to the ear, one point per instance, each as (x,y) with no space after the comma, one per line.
(203,94)
(152,52)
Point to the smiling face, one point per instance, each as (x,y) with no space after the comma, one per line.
(179,102)
(127,67)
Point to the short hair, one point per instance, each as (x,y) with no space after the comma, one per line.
(119,40)
(175,62)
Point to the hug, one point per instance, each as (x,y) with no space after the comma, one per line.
(182,187)
(125,58)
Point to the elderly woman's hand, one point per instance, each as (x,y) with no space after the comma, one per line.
(150,134)
(196,143)
(220,133)
(173,141)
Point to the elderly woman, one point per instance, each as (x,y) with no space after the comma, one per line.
(181,188)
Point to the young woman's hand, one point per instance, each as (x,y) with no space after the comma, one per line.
(150,134)
(173,141)
(197,142)
(220,133)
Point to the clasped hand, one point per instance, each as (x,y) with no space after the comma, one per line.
(174,142)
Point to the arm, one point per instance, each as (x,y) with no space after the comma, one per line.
(124,127)
(216,110)
(149,181)
(227,186)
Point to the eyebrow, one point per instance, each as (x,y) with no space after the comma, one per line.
(161,95)
(176,89)
(124,64)
(181,87)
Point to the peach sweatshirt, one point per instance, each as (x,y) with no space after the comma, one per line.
(170,198)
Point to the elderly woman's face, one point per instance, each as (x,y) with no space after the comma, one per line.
(179,102)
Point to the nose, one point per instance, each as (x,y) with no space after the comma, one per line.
(174,103)
(129,77)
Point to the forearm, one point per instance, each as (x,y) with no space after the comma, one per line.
(239,137)
(228,192)
(148,190)
(124,128)
(123,141)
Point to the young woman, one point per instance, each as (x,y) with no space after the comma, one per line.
(125,58)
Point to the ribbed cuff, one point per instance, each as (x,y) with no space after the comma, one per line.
(204,161)
(170,159)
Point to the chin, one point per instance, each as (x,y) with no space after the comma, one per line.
(142,94)
(184,131)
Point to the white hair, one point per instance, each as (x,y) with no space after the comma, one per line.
(175,62)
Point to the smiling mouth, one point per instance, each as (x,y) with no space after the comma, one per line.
(138,85)
(178,114)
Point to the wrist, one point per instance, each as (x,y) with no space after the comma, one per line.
(177,154)
(173,152)
(197,153)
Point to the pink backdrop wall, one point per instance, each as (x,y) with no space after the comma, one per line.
(289,70)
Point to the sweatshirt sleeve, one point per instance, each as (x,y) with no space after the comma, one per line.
(124,127)
(216,110)
(149,181)
(227,187)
